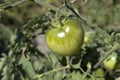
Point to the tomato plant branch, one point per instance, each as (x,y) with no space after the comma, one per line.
(85,74)
(54,70)
(72,9)
(114,48)
(95,27)
(13,5)
(58,15)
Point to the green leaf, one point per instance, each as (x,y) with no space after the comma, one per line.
(5,32)
(48,77)
(53,58)
(58,76)
(3,61)
(76,75)
(27,67)
(5,73)
(12,39)
(76,66)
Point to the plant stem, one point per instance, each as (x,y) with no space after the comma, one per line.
(54,70)
(13,5)
(58,15)
(85,74)
(114,48)
(71,8)
(67,60)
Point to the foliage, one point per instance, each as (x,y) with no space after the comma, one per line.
(24,54)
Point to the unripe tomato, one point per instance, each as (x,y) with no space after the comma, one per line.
(67,39)
(112,61)
(99,73)
(89,36)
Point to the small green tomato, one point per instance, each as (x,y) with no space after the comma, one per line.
(89,36)
(99,73)
(67,39)
(111,62)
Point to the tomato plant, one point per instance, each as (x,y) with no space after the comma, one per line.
(112,61)
(65,40)
(59,40)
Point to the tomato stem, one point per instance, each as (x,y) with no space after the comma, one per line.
(58,15)
(85,74)
(54,70)
(68,60)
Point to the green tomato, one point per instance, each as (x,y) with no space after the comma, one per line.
(99,73)
(111,61)
(67,39)
(89,36)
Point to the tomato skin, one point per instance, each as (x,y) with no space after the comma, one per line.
(111,61)
(89,36)
(65,40)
